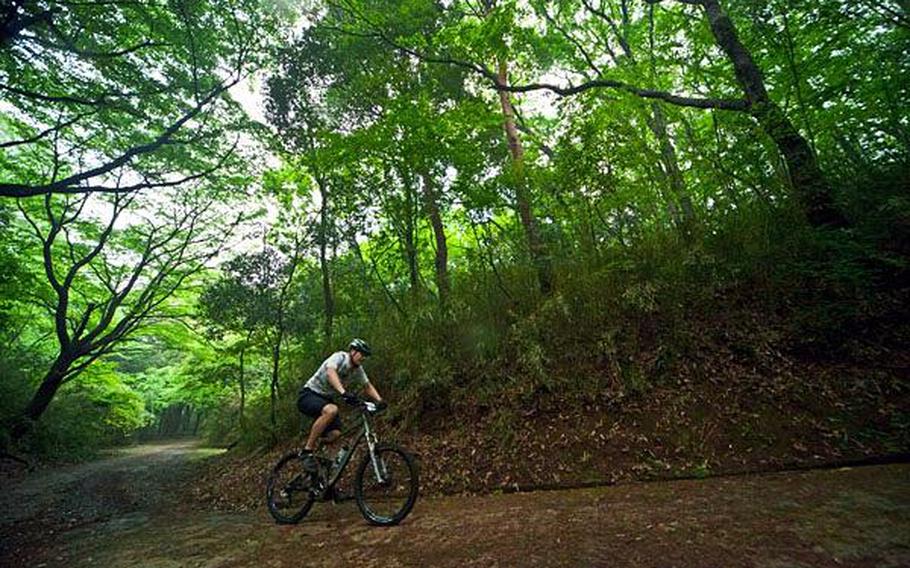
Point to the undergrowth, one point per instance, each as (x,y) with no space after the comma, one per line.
(623,317)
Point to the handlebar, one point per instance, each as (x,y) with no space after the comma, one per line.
(373,407)
(367,406)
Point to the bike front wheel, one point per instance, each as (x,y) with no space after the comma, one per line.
(290,490)
(386,489)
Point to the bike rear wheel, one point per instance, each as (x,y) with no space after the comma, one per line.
(387,498)
(290,490)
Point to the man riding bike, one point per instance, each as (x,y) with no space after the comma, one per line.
(340,371)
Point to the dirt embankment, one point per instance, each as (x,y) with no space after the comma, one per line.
(132,510)
(743,418)
(734,388)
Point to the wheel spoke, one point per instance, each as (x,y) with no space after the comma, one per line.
(289,490)
(387,497)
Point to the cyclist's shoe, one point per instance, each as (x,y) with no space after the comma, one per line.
(310,464)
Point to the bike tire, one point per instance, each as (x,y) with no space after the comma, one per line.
(288,491)
(404,486)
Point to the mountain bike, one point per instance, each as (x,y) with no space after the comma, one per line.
(385,484)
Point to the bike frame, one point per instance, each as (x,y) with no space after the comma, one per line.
(311,486)
(366,432)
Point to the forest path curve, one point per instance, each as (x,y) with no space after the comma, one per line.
(126,511)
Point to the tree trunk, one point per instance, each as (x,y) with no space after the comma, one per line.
(410,251)
(242,393)
(798,81)
(359,253)
(682,203)
(273,386)
(679,204)
(45,393)
(486,252)
(327,294)
(442,251)
(279,334)
(197,422)
(410,244)
(806,178)
(536,246)
(243,380)
(41,399)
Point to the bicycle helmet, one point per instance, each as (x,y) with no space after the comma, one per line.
(362,346)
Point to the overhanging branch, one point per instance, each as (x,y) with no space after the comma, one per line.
(561,90)
(72,183)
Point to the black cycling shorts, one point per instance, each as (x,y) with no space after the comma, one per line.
(311,404)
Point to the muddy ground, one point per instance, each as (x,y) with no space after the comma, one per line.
(131,509)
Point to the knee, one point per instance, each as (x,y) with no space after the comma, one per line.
(330,410)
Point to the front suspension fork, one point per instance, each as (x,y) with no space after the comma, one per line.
(379,468)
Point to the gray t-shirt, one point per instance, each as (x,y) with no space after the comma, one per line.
(347,372)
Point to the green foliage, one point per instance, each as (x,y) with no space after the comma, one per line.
(137,88)
(14,393)
(247,297)
(656,219)
(102,412)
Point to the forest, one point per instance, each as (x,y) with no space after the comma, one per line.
(595,239)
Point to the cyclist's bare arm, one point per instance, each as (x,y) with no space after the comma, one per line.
(371,392)
(334,380)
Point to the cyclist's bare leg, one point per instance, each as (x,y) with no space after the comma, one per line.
(329,412)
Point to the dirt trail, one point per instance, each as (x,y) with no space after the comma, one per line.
(126,511)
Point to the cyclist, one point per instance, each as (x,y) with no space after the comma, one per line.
(336,374)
